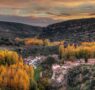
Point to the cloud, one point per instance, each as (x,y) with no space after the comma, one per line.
(55,9)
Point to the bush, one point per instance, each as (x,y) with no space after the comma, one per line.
(9,57)
(14,74)
(82,76)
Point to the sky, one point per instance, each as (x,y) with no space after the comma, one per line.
(48,10)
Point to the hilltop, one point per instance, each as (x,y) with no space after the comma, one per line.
(13,30)
(72,30)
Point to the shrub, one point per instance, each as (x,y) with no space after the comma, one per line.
(9,57)
(14,74)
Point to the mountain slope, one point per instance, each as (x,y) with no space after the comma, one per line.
(72,30)
(34,21)
(13,30)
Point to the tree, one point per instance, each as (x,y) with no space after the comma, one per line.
(46,42)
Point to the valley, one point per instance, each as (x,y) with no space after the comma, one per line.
(60,56)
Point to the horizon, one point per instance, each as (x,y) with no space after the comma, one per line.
(34,22)
(44,14)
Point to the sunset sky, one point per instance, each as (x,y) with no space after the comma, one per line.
(49,9)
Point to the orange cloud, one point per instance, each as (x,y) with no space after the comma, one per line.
(55,9)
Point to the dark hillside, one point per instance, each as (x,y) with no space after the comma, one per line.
(72,30)
(13,30)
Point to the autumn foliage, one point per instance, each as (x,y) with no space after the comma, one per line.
(9,57)
(33,41)
(37,41)
(14,74)
(84,51)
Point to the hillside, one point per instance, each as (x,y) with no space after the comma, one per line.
(12,30)
(81,78)
(72,30)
